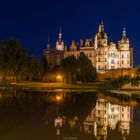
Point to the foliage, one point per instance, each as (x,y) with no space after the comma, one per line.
(69,66)
(4,83)
(12,58)
(80,69)
(29,70)
(85,71)
(138,69)
(43,67)
(115,83)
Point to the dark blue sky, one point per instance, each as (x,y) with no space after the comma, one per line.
(33,21)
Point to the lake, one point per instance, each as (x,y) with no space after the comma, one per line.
(36,115)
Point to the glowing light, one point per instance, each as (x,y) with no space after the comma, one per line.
(58,77)
(58,98)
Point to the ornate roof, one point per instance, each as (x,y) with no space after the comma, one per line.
(101,34)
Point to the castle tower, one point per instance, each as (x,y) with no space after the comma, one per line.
(48,46)
(101,47)
(124,48)
(49,54)
(101,38)
(60,43)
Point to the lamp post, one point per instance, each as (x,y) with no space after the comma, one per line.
(59,78)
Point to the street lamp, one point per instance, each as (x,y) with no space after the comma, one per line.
(58,98)
(59,78)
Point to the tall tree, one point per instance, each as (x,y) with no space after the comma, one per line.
(12,57)
(80,69)
(85,70)
(69,66)
(29,69)
(43,67)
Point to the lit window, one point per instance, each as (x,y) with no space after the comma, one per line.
(112,109)
(127,61)
(128,116)
(112,61)
(127,108)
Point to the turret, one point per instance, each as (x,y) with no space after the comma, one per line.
(59,42)
(123,44)
(101,38)
(48,44)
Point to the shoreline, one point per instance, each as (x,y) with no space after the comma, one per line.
(62,87)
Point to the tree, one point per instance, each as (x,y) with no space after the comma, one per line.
(12,58)
(80,69)
(69,66)
(43,67)
(29,70)
(85,70)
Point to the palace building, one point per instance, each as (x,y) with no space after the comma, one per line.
(103,54)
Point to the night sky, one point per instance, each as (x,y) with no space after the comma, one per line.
(34,21)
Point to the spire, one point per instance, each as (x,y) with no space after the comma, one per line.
(48,44)
(101,27)
(48,40)
(60,34)
(124,34)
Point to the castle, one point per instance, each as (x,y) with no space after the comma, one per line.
(104,55)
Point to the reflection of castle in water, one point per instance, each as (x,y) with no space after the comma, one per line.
(105,115)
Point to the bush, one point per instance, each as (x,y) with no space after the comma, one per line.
(5,83)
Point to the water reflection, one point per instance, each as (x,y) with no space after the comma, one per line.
(61,116)
(90,115)
(105,115)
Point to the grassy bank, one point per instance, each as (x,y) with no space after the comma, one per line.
(55,86)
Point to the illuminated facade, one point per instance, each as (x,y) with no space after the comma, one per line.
(105,115)
(60,43)
(54,55)
(104,55)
